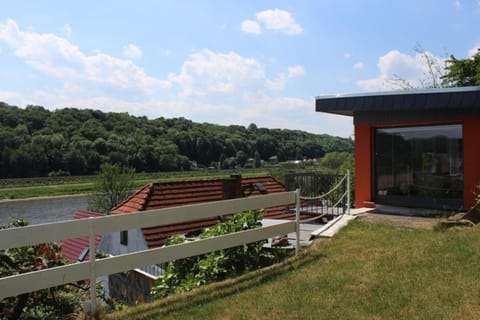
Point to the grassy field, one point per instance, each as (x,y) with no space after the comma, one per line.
(41,187)
(366,272)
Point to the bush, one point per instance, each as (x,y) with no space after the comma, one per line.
(54,303)
(186,274)
(59,173)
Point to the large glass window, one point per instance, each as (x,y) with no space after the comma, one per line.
(419,166)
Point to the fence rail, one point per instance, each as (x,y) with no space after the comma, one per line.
(35,234)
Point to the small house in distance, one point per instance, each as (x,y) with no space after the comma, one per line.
(416,148)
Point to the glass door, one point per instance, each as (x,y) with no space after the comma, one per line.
(419,166)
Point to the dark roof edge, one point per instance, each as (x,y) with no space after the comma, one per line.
(398,92)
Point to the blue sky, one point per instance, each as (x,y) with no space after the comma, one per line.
(225,62)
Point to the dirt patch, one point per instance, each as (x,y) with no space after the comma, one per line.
(400,220)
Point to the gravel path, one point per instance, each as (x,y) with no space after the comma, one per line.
(400,220)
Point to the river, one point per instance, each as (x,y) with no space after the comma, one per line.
(42,210)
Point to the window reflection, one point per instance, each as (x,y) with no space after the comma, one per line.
(421,162)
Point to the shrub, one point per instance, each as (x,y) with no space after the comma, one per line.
(53,303)
(186,274)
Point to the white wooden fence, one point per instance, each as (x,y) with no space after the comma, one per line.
(35,234)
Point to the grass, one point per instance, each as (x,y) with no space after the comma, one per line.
(42,187)
(366,272)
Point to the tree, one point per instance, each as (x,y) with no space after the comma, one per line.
(258,160)
(112,185)
(35,142)
(435,70)
(337,160)
(462,72)
(242,157)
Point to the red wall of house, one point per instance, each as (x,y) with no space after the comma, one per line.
(364,153)
(471,163)
(363,165)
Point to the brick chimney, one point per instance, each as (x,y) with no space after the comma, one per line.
(232,187)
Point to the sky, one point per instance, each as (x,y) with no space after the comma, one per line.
(224,61)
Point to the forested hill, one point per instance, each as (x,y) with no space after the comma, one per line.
(37,142)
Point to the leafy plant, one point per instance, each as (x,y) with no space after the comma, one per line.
(186,274)
(53,303)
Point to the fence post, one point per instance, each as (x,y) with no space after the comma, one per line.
(297,221)
(93,280)
(348,192)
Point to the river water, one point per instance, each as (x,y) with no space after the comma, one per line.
(42,210)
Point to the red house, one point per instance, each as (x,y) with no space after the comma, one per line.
(417,148)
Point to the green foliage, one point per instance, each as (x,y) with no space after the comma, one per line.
(336,160)
(462,72)
(349,165)
(54,303)
(258,160)
(186,274)
(35,141)
(112,185)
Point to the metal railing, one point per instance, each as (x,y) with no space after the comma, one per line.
(321,195)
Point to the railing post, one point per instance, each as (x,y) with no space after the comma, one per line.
(297,221)
(348,192)
(93,280)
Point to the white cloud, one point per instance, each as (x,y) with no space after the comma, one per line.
(6,96)
(132,51)
(474,50)
(296,71)
(165,52)
(224,88)
(251,26)
(347,55)
(58,58)
(279,20)
(359,65)
(67,29)
(208,72)
(272,19)
(457,4)
(401,71)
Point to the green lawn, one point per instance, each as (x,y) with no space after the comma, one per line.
(53,190)
(366,272)
(42,187)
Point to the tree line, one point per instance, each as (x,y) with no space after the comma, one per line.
(37,142)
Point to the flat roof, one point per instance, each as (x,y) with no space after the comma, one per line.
(424,99)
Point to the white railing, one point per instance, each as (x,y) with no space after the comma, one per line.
(35,234)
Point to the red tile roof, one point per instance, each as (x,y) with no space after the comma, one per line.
(71,248)
(170,194)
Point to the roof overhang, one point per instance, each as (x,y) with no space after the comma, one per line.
(462,98)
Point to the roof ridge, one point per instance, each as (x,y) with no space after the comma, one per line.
(149,195)
(187,180)
(216,179)
(148,185)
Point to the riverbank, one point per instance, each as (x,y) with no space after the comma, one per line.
(63,196)
(15,189)
(15,193)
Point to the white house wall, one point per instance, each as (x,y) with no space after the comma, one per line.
(136,242)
